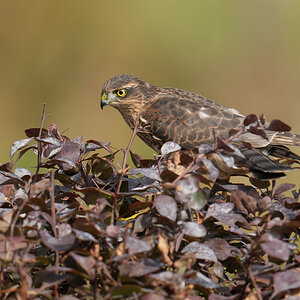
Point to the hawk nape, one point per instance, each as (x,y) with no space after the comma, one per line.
(170,114)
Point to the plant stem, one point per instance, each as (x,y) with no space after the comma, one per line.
(39,158)
(123,171)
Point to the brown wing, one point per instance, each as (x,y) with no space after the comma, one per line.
(190,123)
(187,122)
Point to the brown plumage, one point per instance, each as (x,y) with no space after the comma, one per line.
(170,114)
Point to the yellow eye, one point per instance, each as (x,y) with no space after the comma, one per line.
(121,93)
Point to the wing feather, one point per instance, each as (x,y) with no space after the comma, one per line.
(189,123)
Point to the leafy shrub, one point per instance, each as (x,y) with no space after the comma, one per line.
(82,227)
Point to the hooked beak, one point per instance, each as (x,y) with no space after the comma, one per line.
(104,101)
(108,99)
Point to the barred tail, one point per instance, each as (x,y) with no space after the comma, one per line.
(284,138)
(260,162)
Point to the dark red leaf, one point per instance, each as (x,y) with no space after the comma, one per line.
(221,248)
(34,132)
(215,209)
(134,245)
(250,119)
(201,251)
(136,158)
(89,146)
(127,210)
(61,244)
(142,222)
(86,226)
(258,131)
(46,279)
(53,131)
(262,184)
(9,178)
(274,247)
(193,229)
(8,190)
(148,172)
(101,144)
(87,263)
(113,231)
(284,281)
(166,206)
(102,168)
(185,159)
(199,280)
(139,268)
(147,163)
(283,188)
(168,176)
(223,213)
(243,202)
(68,155)
(22,172)
(213,171)
(7,167)
(205,148)
(48,218)
(227,159)
(277,125)
(84,236)
(18,145)
(264,203)
(262,119)
(198,200)
(49,140)
(291,203)
(189,185)
(169,147)
(166,277)
(91,194)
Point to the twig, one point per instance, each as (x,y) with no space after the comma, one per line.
(23,289)
(188,168)
(247,265)
(123,171)
(95,285)
(258,290)
(39,158)
(126,153)
(52,200)
(53,215)
(84,175)
(13,223)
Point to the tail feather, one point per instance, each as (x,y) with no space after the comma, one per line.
(260,162)
(283,138)
(265,176)
(281,151)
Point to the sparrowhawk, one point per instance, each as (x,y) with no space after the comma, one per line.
(171,114)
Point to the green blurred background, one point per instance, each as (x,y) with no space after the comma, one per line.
(243,54)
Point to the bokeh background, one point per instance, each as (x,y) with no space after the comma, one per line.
(243,54)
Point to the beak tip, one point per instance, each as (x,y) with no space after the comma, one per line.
(104,100)
(102,104)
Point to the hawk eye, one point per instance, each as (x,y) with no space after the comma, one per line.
(121,93)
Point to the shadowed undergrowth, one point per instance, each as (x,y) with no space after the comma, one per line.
(85,227)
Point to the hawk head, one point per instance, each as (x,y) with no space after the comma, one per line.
(124,91)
